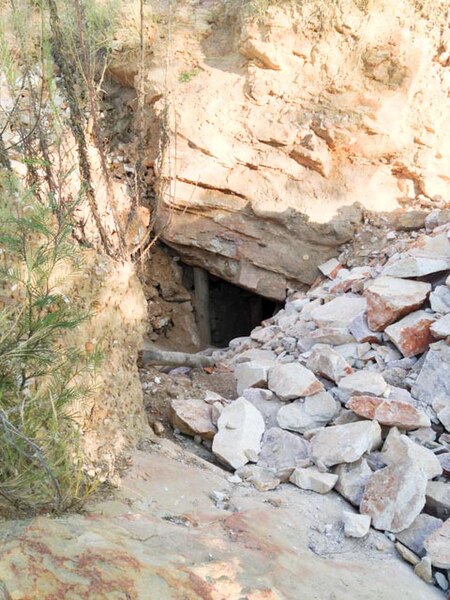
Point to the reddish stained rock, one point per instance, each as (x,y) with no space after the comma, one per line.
(412,334)
(395,496)
(390,298)
(392,413)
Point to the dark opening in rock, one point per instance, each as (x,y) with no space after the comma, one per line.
(224,311)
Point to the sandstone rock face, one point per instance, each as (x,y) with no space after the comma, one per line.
(240,429)
(395,496)
(192,417)
(345,443)
(389,412)
(293,381)
(242,201)
(389,298)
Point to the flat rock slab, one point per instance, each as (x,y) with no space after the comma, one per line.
(364,382)
(433,382)
(240,429)
(328,363)
(293,380)
(308,413)
(390,298)
(415,535)
(282,451)
(192,417)
(412,334)
(345,443)
(314,480)
(395,496)
(339,312)
(391,413)
(438,546)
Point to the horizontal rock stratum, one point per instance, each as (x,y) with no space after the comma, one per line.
(276,141)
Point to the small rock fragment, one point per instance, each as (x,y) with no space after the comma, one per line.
(339,312)
(356,526)
(423,569)
(293,380)
(311,479)
(440,329)
(406,554)
(262,479)
(440,299)
(412,334)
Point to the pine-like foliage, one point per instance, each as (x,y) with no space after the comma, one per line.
(40,372)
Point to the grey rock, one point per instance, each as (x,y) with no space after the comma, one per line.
(282,451)
(240,429)
(398,447)
(355,526)
(414,536)
(289,381)
(433,382)
(438,499)
(438,546)
(440,299)
(440,329)
(359,329)
(345,443)
(251,374)
(353,478)
(314,480)
(308,413)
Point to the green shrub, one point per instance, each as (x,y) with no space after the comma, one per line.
(40,372)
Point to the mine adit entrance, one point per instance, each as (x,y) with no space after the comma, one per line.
(224,311)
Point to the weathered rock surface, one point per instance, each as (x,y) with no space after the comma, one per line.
(438,546)
(397,447)
(353,478)
(308,413)
(339,312)
(345,443)
(390,298)
(293,381)
(389,412)
(415,535)
(412,334)
(282,452)
(356,526)
(326,362)
(395,496)
(364,382)
(433,382)
(314,480)
(192,417)
(438,499)
(240,429)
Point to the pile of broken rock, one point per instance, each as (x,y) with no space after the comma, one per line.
(348,388)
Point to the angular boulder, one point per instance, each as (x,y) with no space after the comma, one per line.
(398,447)
(391,413)
(433,382)
(293,380)
(438,499)
(252,374)
(364,382)
(339,312)
(352,480)
(314,480)
(192,417)
(395,496)
(356,526)
(326,362)
(308,413)
(282,452)
(440,299)
(438,546)
(345,443)
(412,334)
(390,298)
(415,535)
(240,429)
(440,329)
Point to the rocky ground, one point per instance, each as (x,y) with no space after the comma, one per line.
(348,388)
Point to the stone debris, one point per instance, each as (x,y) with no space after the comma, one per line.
(348,388)
(390,298)
(389,412)
(282,452)
(240,429)
(412,334)
(355,525)
(293,381)
(308,413)
(192,417)
(314,480)
(326,362)
(395,496)
(438,546)
(345,443)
